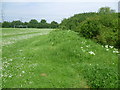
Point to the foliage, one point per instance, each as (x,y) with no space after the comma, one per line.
(106,10)
(101,27)
(54,24)
(6,24)
(101,77)
(43,21)
(72,22)
(33,23)
(89,28)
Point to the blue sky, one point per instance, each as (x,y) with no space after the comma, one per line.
(50,11)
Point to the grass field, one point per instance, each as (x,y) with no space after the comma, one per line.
(45,58)
(14,34)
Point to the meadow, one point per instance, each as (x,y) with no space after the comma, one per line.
(48,58)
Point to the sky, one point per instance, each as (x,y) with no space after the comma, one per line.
(50,9)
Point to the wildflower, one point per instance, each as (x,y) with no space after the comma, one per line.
(10,76)
(106,46)
(23,71)
(0,67)
(111,46)
(10,60)
(1,75)
(92,53)
(107,49)
(87,46)
(30,82)
(115,51)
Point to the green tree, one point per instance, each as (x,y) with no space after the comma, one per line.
(106,10)
(90,28)
(43,21)
(16,23)
(54,24)
(43,24)
(6,24)
(33,23)
(25,23)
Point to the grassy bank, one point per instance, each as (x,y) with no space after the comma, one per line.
(60,59)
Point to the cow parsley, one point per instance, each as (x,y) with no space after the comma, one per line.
(92,53)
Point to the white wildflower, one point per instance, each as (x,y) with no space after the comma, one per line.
(30,82)
(23,71)
(92,53)
(10,60)
(10,76)
(1,75)
(111,46)
(0,67)
(115,51)
(107,49)
(106,46)
(87,46)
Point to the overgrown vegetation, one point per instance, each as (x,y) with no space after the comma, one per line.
(60,59)
(101,27)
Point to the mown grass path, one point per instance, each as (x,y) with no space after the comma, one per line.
(13,35)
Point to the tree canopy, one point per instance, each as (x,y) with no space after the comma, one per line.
(101,26)
(33,23)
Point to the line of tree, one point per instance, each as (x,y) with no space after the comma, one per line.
(101,26)
(33,23)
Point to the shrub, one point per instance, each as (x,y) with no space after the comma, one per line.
(89,28)
(101,30)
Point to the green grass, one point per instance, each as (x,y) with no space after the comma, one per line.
(12,35)
(60,59)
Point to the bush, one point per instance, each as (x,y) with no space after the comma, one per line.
(101,27)
(107,36)
(89,28)
(101,30)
